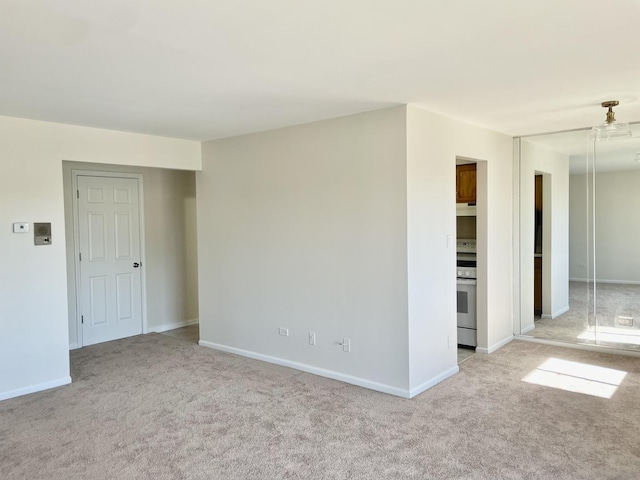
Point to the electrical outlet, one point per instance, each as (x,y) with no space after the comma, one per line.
(283,331)
(346,345)
(449,341)
(312,338)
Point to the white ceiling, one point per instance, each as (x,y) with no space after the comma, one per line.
(204,69)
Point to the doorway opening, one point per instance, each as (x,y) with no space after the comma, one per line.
(537,267)
(471,256)
(168,251)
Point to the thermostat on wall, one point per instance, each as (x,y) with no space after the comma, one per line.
(20,227)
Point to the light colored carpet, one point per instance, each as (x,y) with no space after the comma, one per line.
(159,407)
(190,333)
(577,325)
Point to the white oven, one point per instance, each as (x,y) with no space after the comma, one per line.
(466,292)
(467,326)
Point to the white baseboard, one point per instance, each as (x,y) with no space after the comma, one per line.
(560,312)
(555,314)
(528,329)
(361,382)
(433,381)
(495,346)
(73,346)
(35,388)
(172,326)
(601,280)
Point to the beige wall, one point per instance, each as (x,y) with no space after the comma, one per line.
(617,227)
(305,228)
(34,333)
(170,270)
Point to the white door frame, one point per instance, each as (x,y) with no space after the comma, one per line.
(76,242)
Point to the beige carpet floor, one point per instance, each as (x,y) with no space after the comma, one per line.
(161,407)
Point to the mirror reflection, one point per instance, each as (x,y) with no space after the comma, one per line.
(579,224)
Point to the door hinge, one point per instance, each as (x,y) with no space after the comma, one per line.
(80,255)
(82,319)
(77,193)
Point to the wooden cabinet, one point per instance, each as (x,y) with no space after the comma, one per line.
(537,286)
(466,183)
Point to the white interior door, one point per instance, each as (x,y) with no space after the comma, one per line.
(110,279)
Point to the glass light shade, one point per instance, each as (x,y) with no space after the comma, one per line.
(607,131)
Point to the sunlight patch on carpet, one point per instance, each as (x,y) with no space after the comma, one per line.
(576,377)
(612,334)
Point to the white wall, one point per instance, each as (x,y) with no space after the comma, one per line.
(170,269)
(536,159)
(305,228)
(434,143)
(617,226)
(34,342)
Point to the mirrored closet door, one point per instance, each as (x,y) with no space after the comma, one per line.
(578,224)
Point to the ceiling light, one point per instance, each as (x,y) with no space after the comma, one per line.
(610,128)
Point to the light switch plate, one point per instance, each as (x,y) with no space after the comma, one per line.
(20,227)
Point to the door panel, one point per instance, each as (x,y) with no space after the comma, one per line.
(124,284)
(109,232)
(123,236)
(98,299)
(96,238)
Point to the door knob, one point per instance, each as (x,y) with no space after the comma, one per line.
(136,265)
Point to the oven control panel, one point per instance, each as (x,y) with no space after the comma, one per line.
(466,272)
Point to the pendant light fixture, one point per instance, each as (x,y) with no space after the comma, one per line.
(610,128)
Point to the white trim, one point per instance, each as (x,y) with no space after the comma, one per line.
(556,314)
(35,388)
(73,346)
(580,346)
(600,280)
(75,173)
(76,249)
(433,381)
(528,329)
(173,326)
(361,382)
(495,346)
